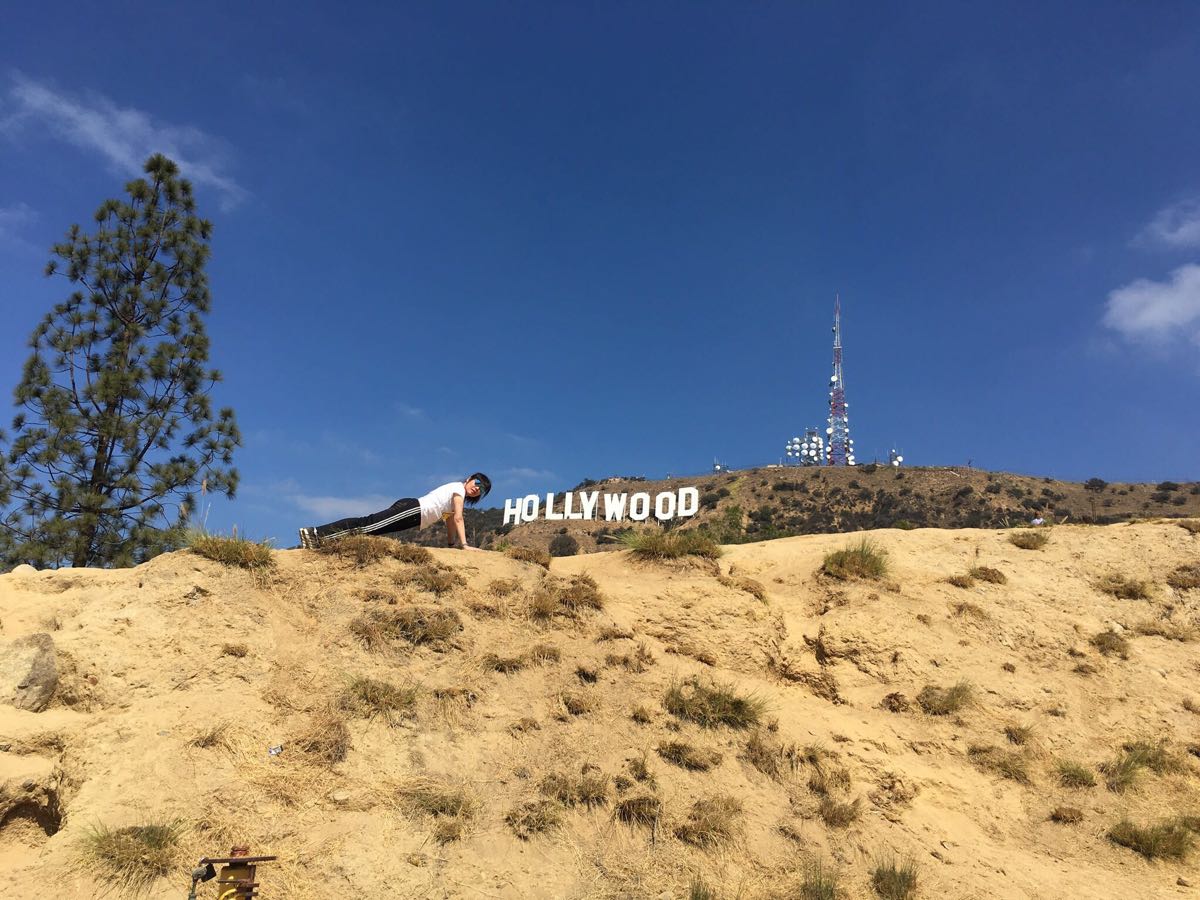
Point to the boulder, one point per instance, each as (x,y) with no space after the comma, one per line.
(28,672)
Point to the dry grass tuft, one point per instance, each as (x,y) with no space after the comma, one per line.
(1007,763)
(418,625)
(698,890)
(1109,643)
(1185,577)
(637,662)
(237,651)
(1165,840)
(589,788)
(1121,772)
(364,549)
(233,551)
(327,739)
(819,883)
(741,583)
(1192,526)
(895,702)
(711,821)
(961,581)
(770,756)
(529,555)
(938,701)
(451,806)
(613,633)
(1066,815)
(966,608)
(212,738)
(1029,539)
(132,857)
(837,814)
(894,880)
(1172,631)
(543,653)
(533,817)
(641,810)
(866,559)
(686,756)
(1075,775)
(639,768)
(524,726)
(578,704)
(569,598)
(371,697)
(641,715)
(1018,734)
(505,665)
(503,587)
(659,545)
(1124,588)
(991,576)
(712,704)
(430,578)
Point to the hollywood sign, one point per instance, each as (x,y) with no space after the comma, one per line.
(639,507)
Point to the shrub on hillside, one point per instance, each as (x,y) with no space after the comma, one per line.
(670,544)
(233,551)
(1029,539)
(564,545)
(865,559)
(529,555)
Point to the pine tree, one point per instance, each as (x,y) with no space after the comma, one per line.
(117,430)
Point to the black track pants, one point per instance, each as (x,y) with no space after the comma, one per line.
(400,516)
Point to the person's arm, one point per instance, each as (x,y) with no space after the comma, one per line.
(449,532)
(459,525)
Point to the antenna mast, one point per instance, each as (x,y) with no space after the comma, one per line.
(841,445)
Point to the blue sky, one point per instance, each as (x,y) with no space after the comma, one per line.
(554,241)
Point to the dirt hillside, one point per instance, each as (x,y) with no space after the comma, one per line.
(661,733)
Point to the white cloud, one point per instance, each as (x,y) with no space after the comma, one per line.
(1157,311)
(12,220)
(123,136)
(1175,227)
(413,412)
(331,508)
(522,474)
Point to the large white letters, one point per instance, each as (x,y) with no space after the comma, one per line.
(664,505)
(529,508)
(689,501)
(551,515)
(639,507)
(512,509)
(614,507)
(587,503)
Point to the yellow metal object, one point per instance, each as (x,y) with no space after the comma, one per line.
(235,882)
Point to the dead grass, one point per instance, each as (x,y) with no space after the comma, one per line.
(1018,734)
(895,702)
(1121,772)
(771,756)
(1172,631)
(639,768)
(1030,539)
(233,551)
(1124,588)
(710,704)
(1066,815)
(686,756)
(1008,764)
(819,883)
(326,740)
(578,704)
(589,788)
(711,821)
(937,701)
(961,581)
(418,625)
(533,817)
(636,662)
(503,587)
(132,857)
(738,582)
(641,715)
(541,654)
(967,608)
(431,578)
(364,549)
(1075,775)
(505,665)
(1109,643)
(1185,577)
(562,597)
(1192,526)
(865,559)
(1170,839)
(825,780)
(237,651)
(214,737)
(991,576)
(893,880)
(698,890)
(371,697)
(645,810)
(659,545)
(839,814)
(451,806)
(524,726)
(613,633)
(529,555)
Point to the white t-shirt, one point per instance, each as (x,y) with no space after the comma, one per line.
(439,503)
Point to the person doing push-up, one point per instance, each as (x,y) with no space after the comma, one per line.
(443,503)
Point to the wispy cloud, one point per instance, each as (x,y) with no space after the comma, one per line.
(1157,311)
(12,220)
(124,136)
(1175,227)
(524,474)
(405,409)
(330,508)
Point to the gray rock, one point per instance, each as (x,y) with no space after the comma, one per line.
(28,672)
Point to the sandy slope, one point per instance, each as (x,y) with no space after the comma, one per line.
(144,674)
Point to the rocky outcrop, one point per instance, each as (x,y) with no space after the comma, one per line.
(28,672)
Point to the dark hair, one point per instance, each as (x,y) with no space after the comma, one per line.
(485,485)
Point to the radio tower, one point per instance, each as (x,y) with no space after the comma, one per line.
(841,445)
